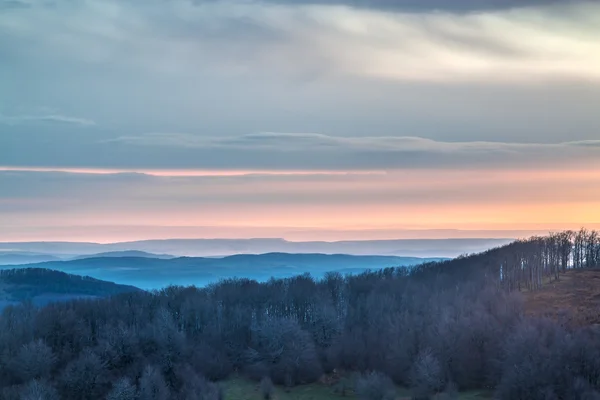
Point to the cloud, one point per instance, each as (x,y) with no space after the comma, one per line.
(183,173)
(387,5)
(586,143)
(398,199)
(299,142)
(49,189)
(369,113)
(8,4)
(300,153)
(371,79)
(428,5)
(49,118)
(310,41)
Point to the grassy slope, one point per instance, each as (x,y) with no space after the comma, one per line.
(575,298)
(242,389)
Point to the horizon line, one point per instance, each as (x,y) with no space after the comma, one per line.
(187,172)
(256,238)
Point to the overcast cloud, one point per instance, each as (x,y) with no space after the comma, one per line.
(491,87)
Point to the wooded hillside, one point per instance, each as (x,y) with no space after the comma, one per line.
(27,283)
(435,328)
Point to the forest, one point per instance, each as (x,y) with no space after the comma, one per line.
(27,283)
(438,328)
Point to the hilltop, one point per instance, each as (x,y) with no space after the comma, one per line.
(43,286)
(125,253)
(24,257)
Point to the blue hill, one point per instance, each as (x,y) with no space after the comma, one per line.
(154,273)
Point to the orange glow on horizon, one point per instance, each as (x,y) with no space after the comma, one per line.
(577,172)
(303,205)
(185,172)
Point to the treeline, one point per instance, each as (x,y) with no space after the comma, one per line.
(437,328)
(527,263)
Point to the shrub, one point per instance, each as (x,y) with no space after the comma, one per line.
(266,388)
(200,389)
(256,371)
(426,376)
(194,386)
(375,386)
(286,350)
(343,387)
(38,390)
(449,393)
(122,390)
(210,362)
(152,385)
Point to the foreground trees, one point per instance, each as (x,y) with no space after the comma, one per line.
(454,325)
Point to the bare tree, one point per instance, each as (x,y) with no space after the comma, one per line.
(84,377)
(152,385)
(33,361)
(122,389)
(426,377)
(38,390)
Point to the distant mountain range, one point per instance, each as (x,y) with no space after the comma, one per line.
(19,257)
(155,273)
(23,258)
(42,286)
(126,253)
(225,247)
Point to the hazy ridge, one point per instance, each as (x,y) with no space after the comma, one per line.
(154,273)
(42,286)
(226,247)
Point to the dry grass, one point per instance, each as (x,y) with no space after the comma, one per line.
(574,299)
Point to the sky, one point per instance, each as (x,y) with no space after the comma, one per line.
(301,119)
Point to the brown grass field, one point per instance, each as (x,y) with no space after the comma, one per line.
(574,299)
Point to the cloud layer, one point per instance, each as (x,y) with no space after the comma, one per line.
(335,114)
(297,151)
(312,40)
(50,118)
(428,5)
(421,5)
(529,73)
(367,206)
